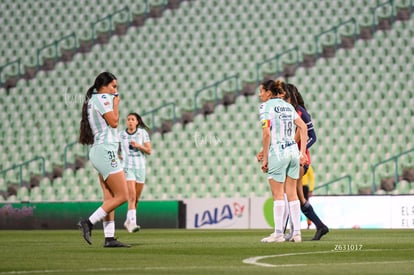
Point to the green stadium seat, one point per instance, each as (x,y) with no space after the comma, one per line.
(199,65)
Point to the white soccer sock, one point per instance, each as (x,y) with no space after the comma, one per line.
(295,216)
(109,229)
(132,216)
(278,211)
(98,215)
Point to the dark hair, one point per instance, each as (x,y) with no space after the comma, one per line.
(290,94)
(85,133)
(268,84)
(298,96)
(278,88)
(141,123)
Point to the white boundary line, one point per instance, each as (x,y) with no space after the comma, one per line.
(252,261)
(255,260)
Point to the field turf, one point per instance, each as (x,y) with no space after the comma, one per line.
(169,251)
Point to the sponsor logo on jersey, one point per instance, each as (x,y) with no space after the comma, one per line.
(279,109)
(285,116)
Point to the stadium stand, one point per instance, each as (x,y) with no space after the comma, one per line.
(175,53)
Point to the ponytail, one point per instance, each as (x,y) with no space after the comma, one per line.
(85,133)
(292,96)
(143,125)
(298,96)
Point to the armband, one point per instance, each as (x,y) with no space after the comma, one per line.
(265,123)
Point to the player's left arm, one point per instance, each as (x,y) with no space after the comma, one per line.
(306,117)
(146,144)
(146,148)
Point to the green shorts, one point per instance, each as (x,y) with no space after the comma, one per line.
(104,158)
(283,163)
(137,175)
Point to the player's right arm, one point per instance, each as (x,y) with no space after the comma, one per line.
(265,121)
(112,117)
(266,144)
(303,136)
(259,155)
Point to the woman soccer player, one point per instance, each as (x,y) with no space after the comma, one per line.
(100,118)
(282,158)
(135,145)
(295,98)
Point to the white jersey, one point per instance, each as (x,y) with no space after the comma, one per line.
(98,105)
(280,116)
(262,110)
(133,158)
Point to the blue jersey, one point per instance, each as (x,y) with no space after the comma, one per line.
(306,117)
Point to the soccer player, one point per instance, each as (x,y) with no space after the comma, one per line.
(295,98)
(282,158)
(308,183)
(135,145)
(98,125)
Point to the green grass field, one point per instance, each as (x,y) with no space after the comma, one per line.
(168,251)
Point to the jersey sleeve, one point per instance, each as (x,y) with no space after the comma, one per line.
(145,136)
(311,131)
(104,103)
(264,116)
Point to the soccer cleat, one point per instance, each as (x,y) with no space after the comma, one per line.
(86,228)
(320,232)
(273,238)
(288,236)
(114,243)
(296,238)
(131,227)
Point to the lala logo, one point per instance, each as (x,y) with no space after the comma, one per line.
(217,216)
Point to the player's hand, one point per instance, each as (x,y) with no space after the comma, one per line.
(259,156)
(303,159)
(134,144)
(264,166)
(116,100)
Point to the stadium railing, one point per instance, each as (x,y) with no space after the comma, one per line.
(329,183)
(156,111)
(215,86)
(66,150)
(16,63)
(375,21)
(109,22)
(395,160)
(23,164)
(110,19)
(277,59)
(54,47)
(335,31)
